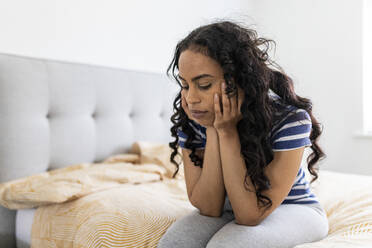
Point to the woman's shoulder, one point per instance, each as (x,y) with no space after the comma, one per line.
(286,113)
(293,131)
(291,126)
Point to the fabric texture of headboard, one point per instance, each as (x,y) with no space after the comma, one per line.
(54,114)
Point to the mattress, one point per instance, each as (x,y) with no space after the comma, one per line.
(24,218)
(349,211)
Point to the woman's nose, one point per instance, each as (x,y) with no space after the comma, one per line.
(192,96)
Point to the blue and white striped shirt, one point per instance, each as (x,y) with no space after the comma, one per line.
(292,132)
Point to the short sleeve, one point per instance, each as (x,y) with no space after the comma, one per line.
(294,132)
(199,140)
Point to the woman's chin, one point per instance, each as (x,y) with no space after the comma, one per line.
(203,123)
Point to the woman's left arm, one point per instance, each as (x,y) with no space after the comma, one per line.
(281,171)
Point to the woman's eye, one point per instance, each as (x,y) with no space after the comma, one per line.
(204,87)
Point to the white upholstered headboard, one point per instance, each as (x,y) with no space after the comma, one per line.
(54,114)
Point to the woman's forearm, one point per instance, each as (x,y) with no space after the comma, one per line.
(243,202)
(209,192)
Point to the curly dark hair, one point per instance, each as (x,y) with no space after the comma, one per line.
(236,48)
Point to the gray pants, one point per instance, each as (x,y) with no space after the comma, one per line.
(287,226)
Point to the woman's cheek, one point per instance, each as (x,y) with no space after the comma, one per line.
(211,119)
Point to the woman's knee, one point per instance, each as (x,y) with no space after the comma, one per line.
(170,240)
(193,230)
(286,227)
(235,236)
(185,232)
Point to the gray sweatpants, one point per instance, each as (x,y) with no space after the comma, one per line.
(287,226)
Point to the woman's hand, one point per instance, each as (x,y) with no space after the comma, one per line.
(184,105)
(227,118)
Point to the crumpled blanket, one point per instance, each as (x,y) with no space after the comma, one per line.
(146,162)
(135,213)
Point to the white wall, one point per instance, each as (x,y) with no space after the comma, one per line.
(367,64)
(138,35)
(319,44)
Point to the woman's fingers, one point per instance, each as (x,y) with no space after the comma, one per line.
(217,108)
(225,100)
(234,103)
(228,112)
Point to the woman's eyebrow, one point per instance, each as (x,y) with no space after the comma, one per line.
(197,77)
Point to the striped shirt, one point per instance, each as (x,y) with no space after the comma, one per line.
(291,132)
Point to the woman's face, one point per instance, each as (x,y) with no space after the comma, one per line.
(200,77)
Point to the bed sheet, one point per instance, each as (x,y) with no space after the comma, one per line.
(24,218)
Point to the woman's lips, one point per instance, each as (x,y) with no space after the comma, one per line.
(198,114)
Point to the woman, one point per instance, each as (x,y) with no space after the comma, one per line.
(243,131)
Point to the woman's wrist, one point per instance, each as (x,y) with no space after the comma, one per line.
(230,133)
(210,129)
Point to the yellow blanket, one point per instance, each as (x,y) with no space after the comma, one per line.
(126,216)
(130,200)
(146,163)
(134,214)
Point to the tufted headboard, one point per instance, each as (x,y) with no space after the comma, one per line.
(54,114)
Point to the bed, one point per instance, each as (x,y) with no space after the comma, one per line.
(57,114)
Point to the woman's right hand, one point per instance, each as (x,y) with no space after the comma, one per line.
(184,105)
